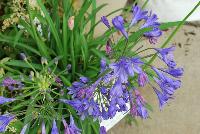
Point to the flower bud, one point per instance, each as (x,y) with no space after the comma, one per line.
(71,23)
(44,61)
(23,56)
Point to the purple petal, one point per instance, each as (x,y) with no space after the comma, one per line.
(24,129)
(54,129)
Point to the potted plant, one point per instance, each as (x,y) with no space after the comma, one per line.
(56,77)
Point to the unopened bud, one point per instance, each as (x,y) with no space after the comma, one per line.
(71,23)
(23,56)
(44,60)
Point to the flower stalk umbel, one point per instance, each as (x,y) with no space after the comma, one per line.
(43,89)
(40,96)
(118,83)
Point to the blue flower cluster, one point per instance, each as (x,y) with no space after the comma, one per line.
(115,87)
(150,21)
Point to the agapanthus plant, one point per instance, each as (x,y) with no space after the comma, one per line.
(59,78)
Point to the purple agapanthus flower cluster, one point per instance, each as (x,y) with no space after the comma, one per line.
(12,84)
(150,21)
(114,90)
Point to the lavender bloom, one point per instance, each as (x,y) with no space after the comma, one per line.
(163,98)
(151,21)
(112,110)
(66,131)
(167,84)
(105,21)
(4,121)
(142,79)
(54,129)
(153,35)
(118,23)
(138,15)
(72,127)
(104,114)
(23,131)
(116,90)
(120,70)
(84,80)
(12,84)
(133,110)
(175,72)
(166,55)
(126,67)
(5,100)
(102,130)
(141,110)
(43,128)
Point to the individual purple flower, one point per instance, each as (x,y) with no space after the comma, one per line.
(4,121)
(103,90)
(118,23)
(168,85)
(93,109)
(141,110)
(5,100)
(104,114)
(121,70)
(137,63)
(142,79)
(133,110)
(23,131)
(151,22)
(139,96)
(122,104)
(72,127)
(166,54)
(66,126)
(153,35)
(175,72)
(102,130)
(162,97)
(112,109)
(12,84)
(84,79)
(137,106)
(105,21)
(116,89)
(43,128)
(54,129)
(138,14)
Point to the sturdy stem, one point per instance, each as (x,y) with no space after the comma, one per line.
(125,48)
